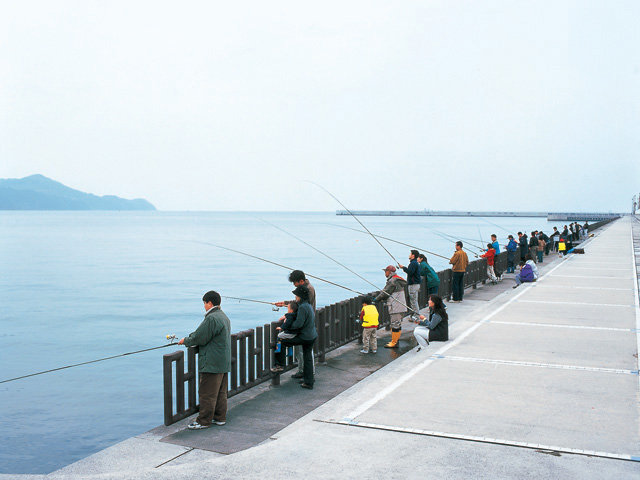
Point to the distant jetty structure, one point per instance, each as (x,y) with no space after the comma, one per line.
(560,216)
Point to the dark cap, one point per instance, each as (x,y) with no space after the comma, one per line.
(390,268)
(302,292)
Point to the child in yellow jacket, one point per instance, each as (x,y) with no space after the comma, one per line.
(369,319)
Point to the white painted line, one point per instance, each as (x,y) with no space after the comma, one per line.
(540,365)
(576,303)
(600,268)
(590,276)
(410,374)
(585,288)
(554,325)
(494,441)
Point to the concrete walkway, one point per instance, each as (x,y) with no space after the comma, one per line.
(537,382)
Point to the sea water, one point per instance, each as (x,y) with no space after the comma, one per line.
(80,286)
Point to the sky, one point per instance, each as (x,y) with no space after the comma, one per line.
(411,105)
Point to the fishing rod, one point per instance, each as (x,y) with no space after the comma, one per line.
(495,225)
(334,260)
(275,307)
(466,239)
(169,338)
(357,219)
(391,240)
(316,249)
(451,238)
(480,233)
(276,264)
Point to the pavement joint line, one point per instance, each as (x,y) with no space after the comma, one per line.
(177,456)
(600,277)
(494,441)
(541,365)
(554,325)
(587,288)
(408,375)
(597,268)
(578,303)
(636,299)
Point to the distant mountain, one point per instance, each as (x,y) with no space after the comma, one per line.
(38,192)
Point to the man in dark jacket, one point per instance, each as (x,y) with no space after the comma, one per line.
(213,336)
(305,325)
(414,281)
(524,245)
(298,278)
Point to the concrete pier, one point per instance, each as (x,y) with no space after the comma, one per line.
(535,382)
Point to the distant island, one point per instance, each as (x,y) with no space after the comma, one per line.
(38,192)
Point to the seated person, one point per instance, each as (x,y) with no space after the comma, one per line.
(528,272)
(287,319)
(436,327)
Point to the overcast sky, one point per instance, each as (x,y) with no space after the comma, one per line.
(201,105)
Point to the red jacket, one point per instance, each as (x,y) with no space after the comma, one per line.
(490,255)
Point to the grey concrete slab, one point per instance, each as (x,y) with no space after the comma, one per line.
(573,409)
(563,346)
(551,295)
(130,455)
(592,281)
(568,314)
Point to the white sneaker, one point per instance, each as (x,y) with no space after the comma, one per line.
(218,423)
(197,426)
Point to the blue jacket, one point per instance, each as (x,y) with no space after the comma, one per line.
(496,245)
(512,246)
(413,273)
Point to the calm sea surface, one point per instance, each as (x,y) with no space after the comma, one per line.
(77,286)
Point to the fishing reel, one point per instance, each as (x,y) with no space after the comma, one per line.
(171,338)
(275,309)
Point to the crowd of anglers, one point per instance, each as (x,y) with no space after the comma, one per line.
(400,296)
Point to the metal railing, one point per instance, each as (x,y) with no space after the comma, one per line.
(252,350)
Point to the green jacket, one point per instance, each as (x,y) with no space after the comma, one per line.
(213,336)
(427,270)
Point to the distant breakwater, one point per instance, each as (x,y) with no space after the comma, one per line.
(568,216)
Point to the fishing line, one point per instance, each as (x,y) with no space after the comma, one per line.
(316,249)
(169,337)
(495,225)
(332,259)
(357,219)
(276,264)
(390,239)
(470,241)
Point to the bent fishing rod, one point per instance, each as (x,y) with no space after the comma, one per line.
(276,264)
(169,337)
(332,259)
(316,249)
(357,219)
(391,240)
(495,225)
(468,240)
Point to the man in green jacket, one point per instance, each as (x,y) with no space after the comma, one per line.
(213,336)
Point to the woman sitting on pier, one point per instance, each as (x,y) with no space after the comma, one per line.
(436,327)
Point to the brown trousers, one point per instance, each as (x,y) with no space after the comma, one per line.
(212,394)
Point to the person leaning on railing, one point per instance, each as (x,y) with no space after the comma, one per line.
(213,336)
(305,325)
